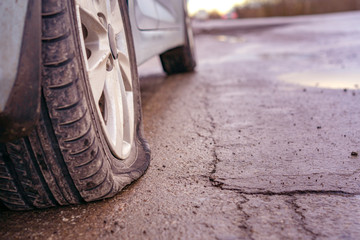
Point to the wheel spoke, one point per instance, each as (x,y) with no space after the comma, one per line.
(113,98)
(97,72)
(90,18)
(127,106)
(125,70)
(114,16)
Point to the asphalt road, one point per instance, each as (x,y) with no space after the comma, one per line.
(260,142)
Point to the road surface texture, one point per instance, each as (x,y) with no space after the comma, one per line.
(260,142)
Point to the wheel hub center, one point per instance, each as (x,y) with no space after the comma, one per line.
(112,42)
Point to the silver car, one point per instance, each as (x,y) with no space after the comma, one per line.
(70,107)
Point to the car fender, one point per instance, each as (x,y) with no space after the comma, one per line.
(20,51)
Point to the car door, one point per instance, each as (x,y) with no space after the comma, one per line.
(146,14)
(169,13)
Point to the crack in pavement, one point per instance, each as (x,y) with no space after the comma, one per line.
(284,193)
(304,175)
(248,228)
(291,196)
(216,183)
(302,220)
(245,225)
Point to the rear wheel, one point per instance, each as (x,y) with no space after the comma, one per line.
(181,59)
(88,144)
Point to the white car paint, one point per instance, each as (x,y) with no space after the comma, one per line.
(12,23)
(167,34)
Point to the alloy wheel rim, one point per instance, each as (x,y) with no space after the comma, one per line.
(106,56)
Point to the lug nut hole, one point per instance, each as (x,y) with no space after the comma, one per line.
(88,53)
(109,64)
(102,19)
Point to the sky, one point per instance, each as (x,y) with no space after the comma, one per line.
(222,6)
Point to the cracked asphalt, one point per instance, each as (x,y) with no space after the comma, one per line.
(259,143)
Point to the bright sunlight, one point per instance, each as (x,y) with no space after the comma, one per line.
(222,6)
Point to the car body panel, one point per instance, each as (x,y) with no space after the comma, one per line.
(169,14)
(170,32)
(146,16)
(20,89)
(12,22)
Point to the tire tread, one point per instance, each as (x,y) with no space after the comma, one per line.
(63,161)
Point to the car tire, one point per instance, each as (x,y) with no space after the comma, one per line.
(88,144)
(181,59)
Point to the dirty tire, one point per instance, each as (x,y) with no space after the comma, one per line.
(67,159)
(181,59)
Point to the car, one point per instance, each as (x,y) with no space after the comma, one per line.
(70,107)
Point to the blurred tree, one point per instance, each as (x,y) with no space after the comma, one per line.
(269,8)
(214,14)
